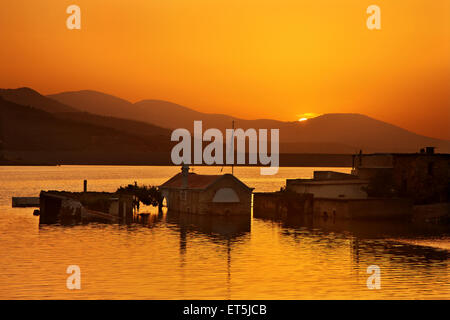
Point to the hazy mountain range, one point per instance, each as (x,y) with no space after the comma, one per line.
(328,133)
(93,127)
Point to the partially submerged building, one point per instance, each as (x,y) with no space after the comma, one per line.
(69,207)
(188,192)
(330,184)
(380,186)
(422,177)
(345,196)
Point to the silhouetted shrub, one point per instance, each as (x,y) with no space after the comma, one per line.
(148,195)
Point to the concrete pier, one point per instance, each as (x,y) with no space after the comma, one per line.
(25,202)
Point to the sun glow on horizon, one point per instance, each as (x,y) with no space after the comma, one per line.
(258,60)
(306,116)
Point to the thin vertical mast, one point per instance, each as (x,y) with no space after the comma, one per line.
(232,149)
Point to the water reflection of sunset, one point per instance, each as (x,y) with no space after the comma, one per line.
(166,257)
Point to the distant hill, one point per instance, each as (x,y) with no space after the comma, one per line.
(136,128)
(360,132)
(30,97)
(97,103)
(329,133)
(163,113)
(28,134)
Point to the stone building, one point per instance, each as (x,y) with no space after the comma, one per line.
(225,194)
(381,186)
(344,196)
(330,184)
(422,177)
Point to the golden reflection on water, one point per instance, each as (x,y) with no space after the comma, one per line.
(177,257)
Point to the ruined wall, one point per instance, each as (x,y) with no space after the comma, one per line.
(281,204)
(269,205)
(84,206)
(374,161)
(125,208)
(368,166)
(330,190)
(363,208)
(369,173)
(424,178)
(179,200)
(49,208)
(334,208)
(436,212)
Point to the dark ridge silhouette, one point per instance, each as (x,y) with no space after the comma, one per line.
(30,97)
(162,113)
(360,132)
(99,103)
(329,133)
(31,135)
(137,128)
(310,147)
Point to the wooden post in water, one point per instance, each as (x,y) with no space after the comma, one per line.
(85,186)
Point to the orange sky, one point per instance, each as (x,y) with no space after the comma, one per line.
(249,58)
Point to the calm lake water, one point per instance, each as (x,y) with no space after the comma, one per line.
(172,257)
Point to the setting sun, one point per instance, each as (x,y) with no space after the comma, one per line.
(309,115)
